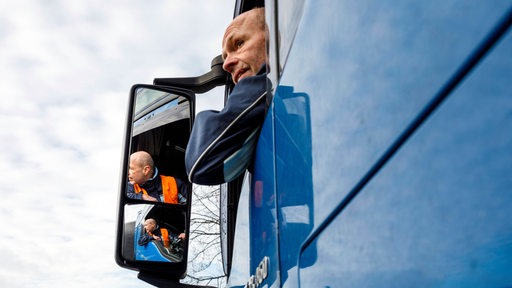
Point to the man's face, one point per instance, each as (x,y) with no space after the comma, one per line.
(137,174)
(149,226)
(243,47)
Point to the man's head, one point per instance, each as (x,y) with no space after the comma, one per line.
(150,225)
(141,168)
(244,44)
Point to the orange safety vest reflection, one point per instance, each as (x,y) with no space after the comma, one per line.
(169,189)
(165,237)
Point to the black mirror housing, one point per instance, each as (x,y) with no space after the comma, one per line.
(155,199)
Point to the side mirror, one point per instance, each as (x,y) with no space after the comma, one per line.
(155,195)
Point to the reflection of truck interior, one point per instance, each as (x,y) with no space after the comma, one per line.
(160,138)
(155,251)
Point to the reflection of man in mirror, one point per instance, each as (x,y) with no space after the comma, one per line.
(146,184)
(222,143)
(153,232)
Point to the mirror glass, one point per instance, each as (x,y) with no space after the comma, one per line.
(155,196)
(153,233)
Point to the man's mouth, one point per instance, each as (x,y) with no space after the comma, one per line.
(239,75)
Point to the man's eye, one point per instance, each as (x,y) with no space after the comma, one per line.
(239,44)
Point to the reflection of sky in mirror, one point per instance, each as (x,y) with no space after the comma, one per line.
(131,212)
(67,68)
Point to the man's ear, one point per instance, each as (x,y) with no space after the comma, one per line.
(146,169)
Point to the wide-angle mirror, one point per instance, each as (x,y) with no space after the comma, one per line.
(153,233)
(154,206)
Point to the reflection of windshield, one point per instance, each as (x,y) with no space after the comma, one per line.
(148,97)
(163,115)
(157,111)
(154,108)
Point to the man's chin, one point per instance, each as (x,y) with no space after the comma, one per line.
(243,76)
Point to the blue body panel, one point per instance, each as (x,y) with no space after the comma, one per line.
(263,218)
(341,196)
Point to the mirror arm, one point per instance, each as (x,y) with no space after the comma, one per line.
(200,84)
(161,281)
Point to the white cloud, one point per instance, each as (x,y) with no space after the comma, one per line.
(66,72)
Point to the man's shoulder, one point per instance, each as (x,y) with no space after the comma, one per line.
(248,91)
(167,178)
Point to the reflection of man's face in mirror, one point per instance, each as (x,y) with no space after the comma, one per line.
(140,169)
(150,225)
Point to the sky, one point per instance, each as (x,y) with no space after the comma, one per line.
(66,68)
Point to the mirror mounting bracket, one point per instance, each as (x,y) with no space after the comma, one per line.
(159,280)
(200,84)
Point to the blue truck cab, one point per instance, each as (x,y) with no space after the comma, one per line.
(385,158)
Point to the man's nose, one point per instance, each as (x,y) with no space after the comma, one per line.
(228,64)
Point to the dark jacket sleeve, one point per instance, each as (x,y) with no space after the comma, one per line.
(182,191)
(222,143)
(130,192)
(144,239)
